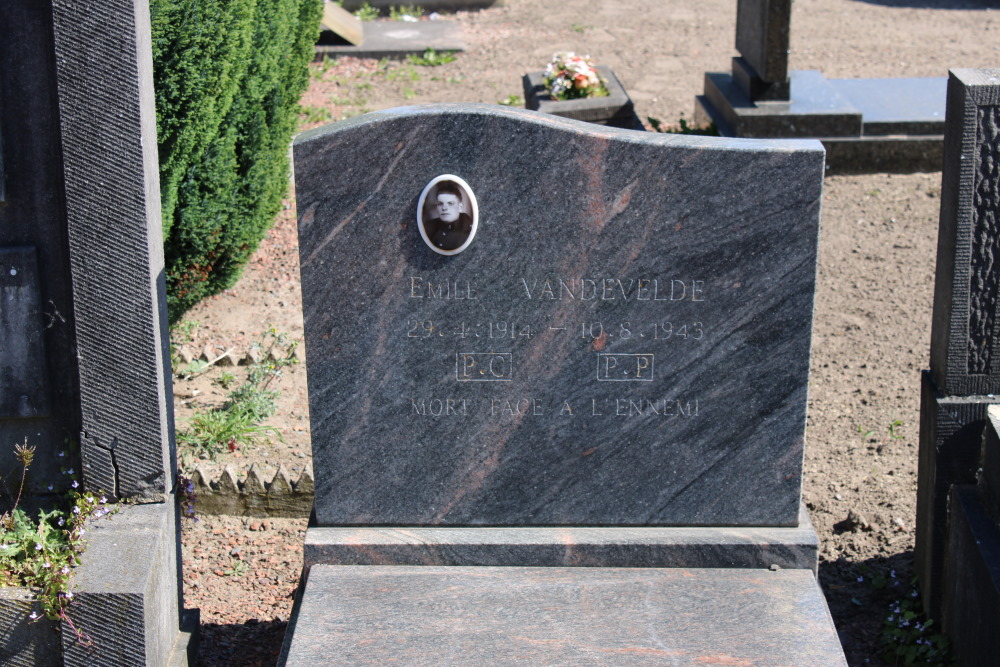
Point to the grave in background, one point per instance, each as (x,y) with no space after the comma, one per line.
(393,39)
(866,125)
(611,374)
(957,541)
(83,336)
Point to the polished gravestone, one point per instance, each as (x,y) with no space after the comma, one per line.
(602,362)
(624,342)
(866,125)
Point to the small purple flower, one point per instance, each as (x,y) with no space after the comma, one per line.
(69,472)
(103,499)
(75,484)
(33,616)
(68,595)
(76,510)
(62,521)
(89,499)
(50,487)
(892,573)
(38,547)
(62,454)
(65,569)
(47,565)
(860,579)
(82,531)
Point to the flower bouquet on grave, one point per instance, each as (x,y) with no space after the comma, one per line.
(570,77)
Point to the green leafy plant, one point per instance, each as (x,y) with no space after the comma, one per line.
(225,379)
(908,637)
(432,58)
(366,12)
(310,115)
(579,27)
(237,568)
(40,553)
(228,75)
(892,432)
(512,101)
(682,127)
(403,73)
(397,13)
(237,423)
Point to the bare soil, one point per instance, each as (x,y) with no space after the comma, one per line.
(873,307)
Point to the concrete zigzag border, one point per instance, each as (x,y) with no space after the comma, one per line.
(254,496)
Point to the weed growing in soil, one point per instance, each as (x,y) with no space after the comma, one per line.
(892,432)
(397,13)
(432,58)
(39,554)
(366,12)
(310,115)
(237,423)
(512,101)
(907,637)
(237,568)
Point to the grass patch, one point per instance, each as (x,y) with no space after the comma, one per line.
(432,58)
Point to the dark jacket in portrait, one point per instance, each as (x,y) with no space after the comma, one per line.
(449,235)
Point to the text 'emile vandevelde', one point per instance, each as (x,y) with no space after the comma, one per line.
(570,289)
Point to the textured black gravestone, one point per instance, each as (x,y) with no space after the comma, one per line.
(625,342)
(84,366)
(956,542)
(866,125)
(609,371)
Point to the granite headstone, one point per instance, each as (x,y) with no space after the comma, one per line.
(964,376)
(624,341)
(84,364)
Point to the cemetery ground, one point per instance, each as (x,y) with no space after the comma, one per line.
(873,304)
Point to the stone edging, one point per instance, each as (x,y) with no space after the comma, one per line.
(253,496)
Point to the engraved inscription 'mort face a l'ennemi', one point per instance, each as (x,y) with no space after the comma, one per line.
(447,215)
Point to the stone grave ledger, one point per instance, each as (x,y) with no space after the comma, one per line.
(624,338)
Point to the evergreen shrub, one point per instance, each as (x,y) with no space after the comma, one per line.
(228,77)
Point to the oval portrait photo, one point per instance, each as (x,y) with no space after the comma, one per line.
(447,215)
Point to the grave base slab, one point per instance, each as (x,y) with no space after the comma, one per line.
(866,125)
(592,616)
(971,587)
(721,547)
(395,39)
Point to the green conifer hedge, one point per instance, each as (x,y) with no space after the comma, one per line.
(228,77)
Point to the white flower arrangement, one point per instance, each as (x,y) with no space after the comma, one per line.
(570,76)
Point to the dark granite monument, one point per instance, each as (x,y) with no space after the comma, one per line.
(958,559)
(866,125)
(612,372)
(84,369)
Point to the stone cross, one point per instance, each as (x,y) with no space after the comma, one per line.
(762,38)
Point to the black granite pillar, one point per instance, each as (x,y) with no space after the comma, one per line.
(762,38)
(965,358)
